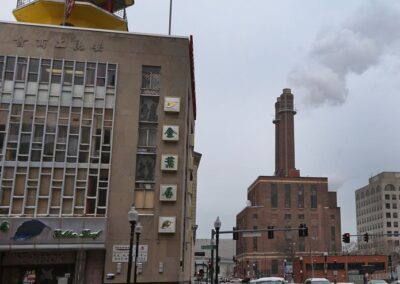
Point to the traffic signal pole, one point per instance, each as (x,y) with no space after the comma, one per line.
(302,230)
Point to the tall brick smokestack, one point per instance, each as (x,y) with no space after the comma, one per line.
(284,136)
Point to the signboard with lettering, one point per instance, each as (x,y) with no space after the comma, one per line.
(53,232)
(38,258)
(121,253)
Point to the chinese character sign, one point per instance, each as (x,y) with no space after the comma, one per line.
(170,133)
(168,192)
(169,162)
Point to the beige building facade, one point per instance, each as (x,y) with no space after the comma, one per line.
(377,212)
(93,122)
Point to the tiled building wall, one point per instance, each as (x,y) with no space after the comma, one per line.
(56,121)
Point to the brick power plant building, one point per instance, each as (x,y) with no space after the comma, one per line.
(285,201)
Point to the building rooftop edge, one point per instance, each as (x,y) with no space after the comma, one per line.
(267,178)
(95,30)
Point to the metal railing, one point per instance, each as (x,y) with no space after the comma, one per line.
(120,13)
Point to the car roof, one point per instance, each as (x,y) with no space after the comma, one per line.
(270,279)
(317,279)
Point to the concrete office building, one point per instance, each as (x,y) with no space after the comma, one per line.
(93,121)
(377,211)
(285,201)
(226,253)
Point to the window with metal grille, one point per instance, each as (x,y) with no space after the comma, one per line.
(151,77)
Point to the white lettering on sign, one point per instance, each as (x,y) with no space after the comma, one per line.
(69,234)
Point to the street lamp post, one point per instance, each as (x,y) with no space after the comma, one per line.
(311,256)
(284,268)
(326,264)
(217,226)
(133,217)
(301,268)
(138,231)
(212,256)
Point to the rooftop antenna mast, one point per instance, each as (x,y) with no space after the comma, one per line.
(170,16)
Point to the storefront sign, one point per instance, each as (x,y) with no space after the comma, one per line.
(50,233)
(69,234)
(38,258)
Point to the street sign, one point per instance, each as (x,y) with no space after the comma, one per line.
(199,253)
(251,234)
(209,247)
(121,253)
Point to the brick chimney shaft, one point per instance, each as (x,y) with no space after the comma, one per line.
(284,136)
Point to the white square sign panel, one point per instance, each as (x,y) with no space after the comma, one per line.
(167,225)
(169,162)
(170,133)
(172,104)
(168,192)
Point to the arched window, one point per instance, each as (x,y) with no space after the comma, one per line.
(390,187)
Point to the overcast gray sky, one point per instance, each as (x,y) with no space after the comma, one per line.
(340,58)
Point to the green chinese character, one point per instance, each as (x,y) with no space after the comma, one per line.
(168,193)
(170,132)
(4,227)
(169,162)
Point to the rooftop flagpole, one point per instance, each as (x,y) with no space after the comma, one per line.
(65,11)
(170,16)
(68,6)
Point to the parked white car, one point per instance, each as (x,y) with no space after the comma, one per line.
(268,280)
(317,281)
(377,281)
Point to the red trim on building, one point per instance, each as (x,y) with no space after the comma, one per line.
(192,75)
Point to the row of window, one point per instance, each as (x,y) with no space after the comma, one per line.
(378,226)
(147,141)
(57,71)
(55,134)
(377,198)
(288,194)
(54,191)
(378,207)
(368,219)
(366,193)
(368,210)
(366,202)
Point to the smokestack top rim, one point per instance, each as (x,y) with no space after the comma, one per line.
(287,91)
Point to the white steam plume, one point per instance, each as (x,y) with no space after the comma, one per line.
(354,47)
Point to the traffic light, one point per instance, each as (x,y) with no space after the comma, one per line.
(235,234)
(270,232)
(366,237)
(346,238)
(303,230)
